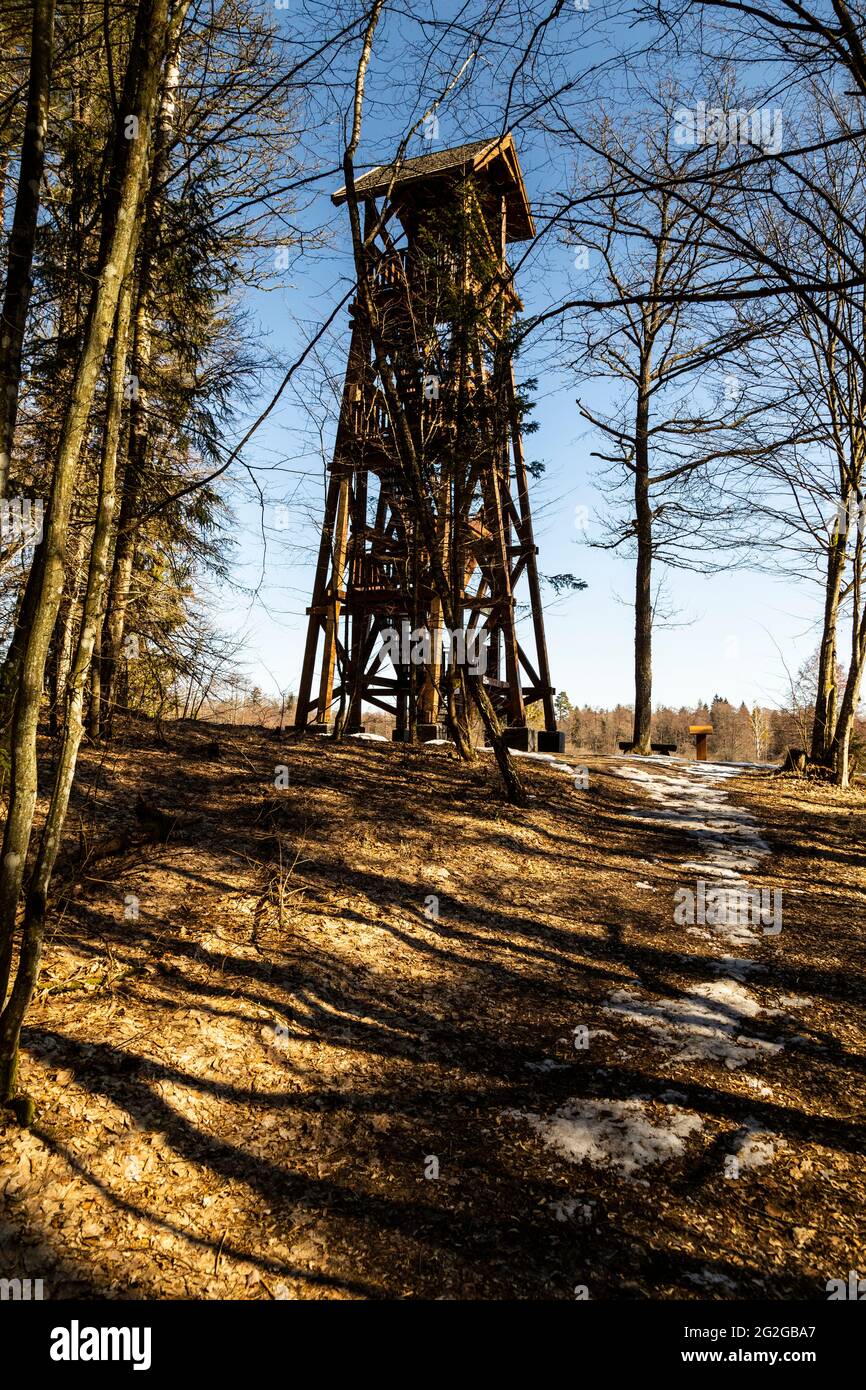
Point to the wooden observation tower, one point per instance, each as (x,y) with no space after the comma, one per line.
(437,322)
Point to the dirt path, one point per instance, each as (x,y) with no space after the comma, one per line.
(714,1020)
(378,1034)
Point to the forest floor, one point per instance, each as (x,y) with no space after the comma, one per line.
(380,1034)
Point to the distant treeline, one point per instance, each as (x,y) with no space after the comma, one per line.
(740,734)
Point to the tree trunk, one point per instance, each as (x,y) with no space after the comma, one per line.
(73,726)
(81,248)
(119,592)
(4,165)
(23,235)
(643,614)
(823,727)
(841,746)
(64,634)
(93,708)
(128,522)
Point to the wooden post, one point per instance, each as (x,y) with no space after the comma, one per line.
(332,618)
(302,709)
(701,732)
(351,411)
(528,540)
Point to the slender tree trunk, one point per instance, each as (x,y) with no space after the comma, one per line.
(458,711)
(839,752)
(64,634)
(93,707)
(19,284)
(120,588)
(73,726)
(824,724)
(128,173)
(119,594)
(4,165)
(643,614)
(82,247)
(123,567)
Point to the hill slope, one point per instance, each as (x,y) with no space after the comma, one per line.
(380,1034)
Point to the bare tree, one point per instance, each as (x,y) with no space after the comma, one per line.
(645,258)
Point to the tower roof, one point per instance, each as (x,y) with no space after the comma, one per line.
(496,158)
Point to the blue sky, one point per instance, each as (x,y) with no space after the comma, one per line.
(734,632)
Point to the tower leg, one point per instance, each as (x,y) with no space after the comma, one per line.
(429,702)
(502,592)
(528,540)
(316,610)
(351,413)
(326,679)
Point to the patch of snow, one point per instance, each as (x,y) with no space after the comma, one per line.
(728,834)
(759,1086)
(706,1024)
(754,1146)
(521,753)
(712,871)
(737,967)
(565,1209)
(568,1207)
(616,1134)
(549,758)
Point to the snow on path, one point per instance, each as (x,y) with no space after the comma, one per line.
(691,800)
(713,1021)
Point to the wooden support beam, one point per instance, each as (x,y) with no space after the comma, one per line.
(531,563)
(341,525)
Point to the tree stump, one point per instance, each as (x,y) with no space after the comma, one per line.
(795,760)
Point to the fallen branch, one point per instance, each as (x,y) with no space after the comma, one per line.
(105,980)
